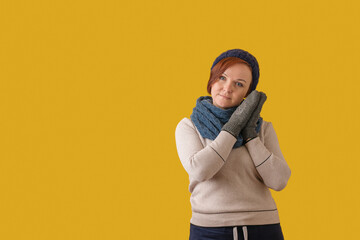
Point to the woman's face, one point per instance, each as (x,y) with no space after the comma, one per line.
(231,87)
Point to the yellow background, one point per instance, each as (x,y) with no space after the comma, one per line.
(91,93)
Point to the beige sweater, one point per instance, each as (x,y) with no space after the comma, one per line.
(230,187)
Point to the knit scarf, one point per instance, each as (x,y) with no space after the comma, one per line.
(209,119)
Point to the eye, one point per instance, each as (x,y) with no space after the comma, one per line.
(222,78)
(239,84)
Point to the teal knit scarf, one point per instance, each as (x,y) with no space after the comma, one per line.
(209,119)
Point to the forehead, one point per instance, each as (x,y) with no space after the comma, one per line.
(238,69)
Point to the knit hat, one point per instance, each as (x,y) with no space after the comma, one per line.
(247,57)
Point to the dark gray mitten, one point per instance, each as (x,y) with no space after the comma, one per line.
(249,131)
(241,115)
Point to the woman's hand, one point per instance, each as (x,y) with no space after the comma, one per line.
(242,114)
(249,132)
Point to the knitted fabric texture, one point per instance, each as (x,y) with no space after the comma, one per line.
(247,57)
(209,119)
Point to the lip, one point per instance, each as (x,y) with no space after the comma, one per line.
(224,96)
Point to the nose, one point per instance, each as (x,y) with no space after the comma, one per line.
(227,86)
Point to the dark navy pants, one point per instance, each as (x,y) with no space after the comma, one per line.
(251,232)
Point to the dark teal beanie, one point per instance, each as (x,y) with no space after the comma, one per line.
(247,57)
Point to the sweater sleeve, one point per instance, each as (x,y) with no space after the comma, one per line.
(201,163)
(268,159)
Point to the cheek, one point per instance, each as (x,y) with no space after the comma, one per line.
(214,87)
(240,97)
(213,92)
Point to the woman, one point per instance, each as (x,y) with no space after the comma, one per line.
(232,156)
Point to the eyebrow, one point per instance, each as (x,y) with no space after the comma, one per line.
(236,79)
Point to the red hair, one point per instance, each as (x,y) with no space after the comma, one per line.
(220,68)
